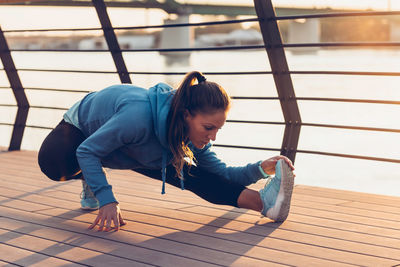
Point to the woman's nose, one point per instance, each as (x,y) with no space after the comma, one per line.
(213,135)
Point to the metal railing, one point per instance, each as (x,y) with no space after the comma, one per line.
(273,45)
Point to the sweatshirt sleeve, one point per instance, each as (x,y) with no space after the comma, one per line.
(245,175)
(114,134)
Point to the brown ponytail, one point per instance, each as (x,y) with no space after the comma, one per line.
(201,97)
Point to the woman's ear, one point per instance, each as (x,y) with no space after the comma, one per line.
(187,115)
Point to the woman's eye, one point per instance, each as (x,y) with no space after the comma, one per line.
(208,128)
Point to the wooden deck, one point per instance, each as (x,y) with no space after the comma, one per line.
(41,224)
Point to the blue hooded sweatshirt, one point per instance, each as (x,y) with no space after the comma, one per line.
(126,128)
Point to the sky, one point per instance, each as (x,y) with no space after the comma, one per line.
(69,17)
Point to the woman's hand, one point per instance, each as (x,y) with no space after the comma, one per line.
(269,164)
(107,214)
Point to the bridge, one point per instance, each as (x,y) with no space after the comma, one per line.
(299,31)
(174,7)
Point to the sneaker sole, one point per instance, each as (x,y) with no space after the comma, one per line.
(286,190)
(89,208)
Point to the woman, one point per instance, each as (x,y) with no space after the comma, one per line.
(164,134)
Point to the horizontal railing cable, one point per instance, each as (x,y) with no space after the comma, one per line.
(58,90)
(151,72)
(47,107)
(247,147)
(361,128)
(40,127)
(222,48)
(314,152)
(340,14)
(368,73)
(205,73)
(172,25)
(29,126)
(369,101)
(212,48)
(54,30)
(348,127)
(343,44)
(352,100)
(49,89)
(256,122)
(9,105)
(348,156)
(255,97)
(197,24)
(38,107)
(73,71)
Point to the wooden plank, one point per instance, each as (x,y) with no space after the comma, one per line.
(390,201)
(343,217)
(23,257)
(315,199)
(372,207)
(347,210)
(8,264)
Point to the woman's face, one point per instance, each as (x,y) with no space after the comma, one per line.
(203,127)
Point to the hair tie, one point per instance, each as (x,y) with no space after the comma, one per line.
(201,79)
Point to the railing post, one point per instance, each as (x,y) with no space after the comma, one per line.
(280,71)
(19,94)
(112,41)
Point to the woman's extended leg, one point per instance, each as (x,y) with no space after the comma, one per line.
(209,186)
(250,199)
(272,201)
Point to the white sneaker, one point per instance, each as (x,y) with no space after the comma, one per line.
(277,193)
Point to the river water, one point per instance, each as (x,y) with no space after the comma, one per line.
(332,172)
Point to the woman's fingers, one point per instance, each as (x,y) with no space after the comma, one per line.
(101,225)
(287,160)
(116,223)
(96,221)
(121,220)
(108,225)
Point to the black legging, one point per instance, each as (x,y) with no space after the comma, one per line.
(57,159)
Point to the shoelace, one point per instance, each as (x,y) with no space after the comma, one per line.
(86,192)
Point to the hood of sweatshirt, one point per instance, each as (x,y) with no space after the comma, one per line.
(160,97)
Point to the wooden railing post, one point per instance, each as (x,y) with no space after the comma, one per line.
(280,71)
(112,41)
(19,94)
